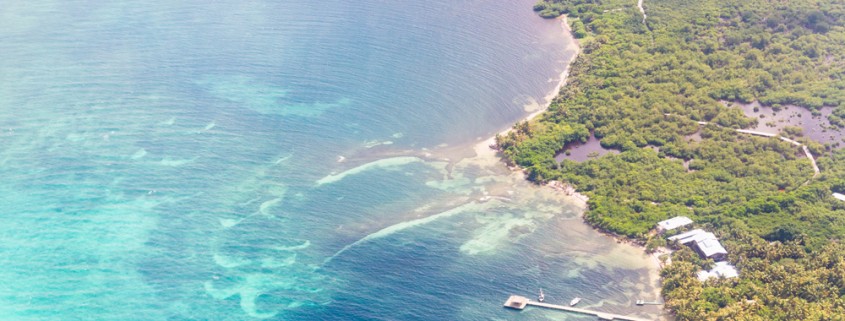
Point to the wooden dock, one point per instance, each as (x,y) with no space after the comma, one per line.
(812,159)
(520,302)
(756,133)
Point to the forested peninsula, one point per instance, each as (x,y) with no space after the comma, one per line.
(659,91)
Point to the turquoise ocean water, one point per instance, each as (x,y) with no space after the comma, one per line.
(283,160)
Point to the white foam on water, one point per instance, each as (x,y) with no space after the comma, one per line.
(492,236)
(374,143)
(385,163)
(228,222)
(139,154)
(282,159)
(271,263)
(219,294)
(229,262)
(264,207)
(249,285)
(253,200)
(176,162)
(248,297)
(468,207)
(252,286)
(302,246)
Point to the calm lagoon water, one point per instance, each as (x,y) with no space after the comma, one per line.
(283,160)
(815,127)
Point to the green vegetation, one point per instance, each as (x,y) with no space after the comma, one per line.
(550,9)
(639,86)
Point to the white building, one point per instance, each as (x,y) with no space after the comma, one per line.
(720,270)
(673,223)
(687,237)
(708,246)
(704,243)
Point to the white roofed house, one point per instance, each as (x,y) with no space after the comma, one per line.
(673,223)
(719,270)
(704,243)
(708,246)
(687,237)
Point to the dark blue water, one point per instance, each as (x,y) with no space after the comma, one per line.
(291,160)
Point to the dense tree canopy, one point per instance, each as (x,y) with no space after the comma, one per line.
(642,88)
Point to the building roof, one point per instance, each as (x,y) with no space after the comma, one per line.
(687,237)
(675,222)
(720,270)
(839,196)
(709,245)
(706,242)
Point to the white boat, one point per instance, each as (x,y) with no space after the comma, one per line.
(574,302)
(542,297)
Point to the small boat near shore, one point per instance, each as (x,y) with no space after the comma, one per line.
(541,297)
(574,302)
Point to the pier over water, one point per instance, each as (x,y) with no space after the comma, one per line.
(520,302)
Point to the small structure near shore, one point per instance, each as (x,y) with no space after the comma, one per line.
(516,302)
(520,302)
(673,223)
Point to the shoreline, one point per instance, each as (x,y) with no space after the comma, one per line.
(486,154)
(488,147)
(484,147)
